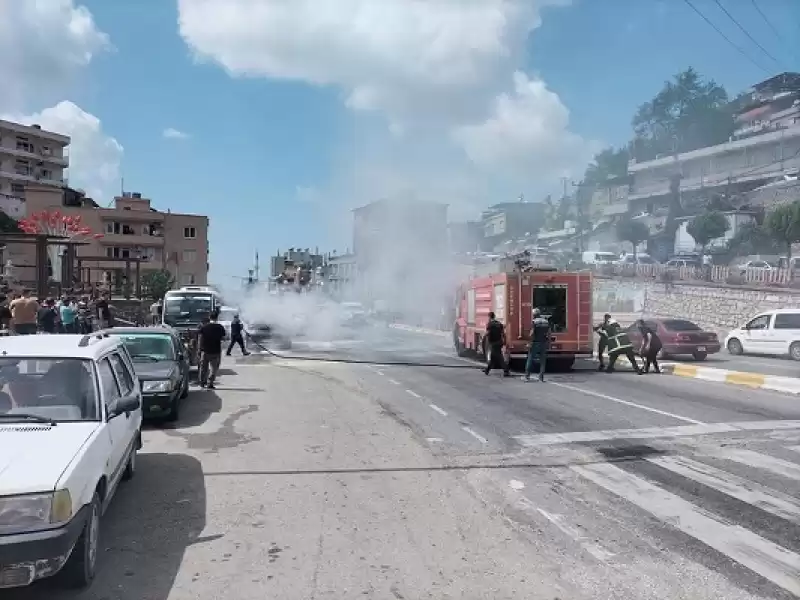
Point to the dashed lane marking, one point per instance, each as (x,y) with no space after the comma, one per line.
(627,403)
(393,381)
(413,393)
(475,434)
(438,410)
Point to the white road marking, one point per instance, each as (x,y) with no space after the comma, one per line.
(570,437)
(627,403)
(753,459)
(795,448)
(475,434)
(437,409)
(593,549)
(771,561)
(393,382)
(413,393)
(516,485)
(771,501)
(379,372)
(433,440)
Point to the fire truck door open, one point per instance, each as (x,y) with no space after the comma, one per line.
(552,301)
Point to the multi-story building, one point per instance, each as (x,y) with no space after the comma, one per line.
(131,229)
(511,221)
(341,274)
(771,105)
(465,237)
(29,154)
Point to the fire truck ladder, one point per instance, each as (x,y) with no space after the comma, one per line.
(584,307)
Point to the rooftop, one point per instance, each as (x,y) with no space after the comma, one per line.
(56,346)
(34,130)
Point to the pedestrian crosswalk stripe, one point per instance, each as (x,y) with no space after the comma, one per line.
(768,500)
(570,437)
(756,460)
(771,561)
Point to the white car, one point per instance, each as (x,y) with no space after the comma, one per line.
(70,428)
(775,332)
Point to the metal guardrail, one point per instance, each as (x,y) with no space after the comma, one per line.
(714,274)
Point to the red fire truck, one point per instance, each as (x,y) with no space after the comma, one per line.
(512,292)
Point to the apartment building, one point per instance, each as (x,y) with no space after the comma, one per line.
(132,228)
(29,155)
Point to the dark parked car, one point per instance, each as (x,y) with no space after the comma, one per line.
(162,365)
(678,337)
(266,334)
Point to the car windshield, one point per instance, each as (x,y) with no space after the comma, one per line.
(57,389)
(149,347)
(187,307)
(679,325)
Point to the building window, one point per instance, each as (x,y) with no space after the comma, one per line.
(22,167)
(189,256)
(23,144)
(189,233)
(145,229)
(17,188)
(110,251)
(187,279)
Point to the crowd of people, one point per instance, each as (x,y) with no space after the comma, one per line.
(23,314)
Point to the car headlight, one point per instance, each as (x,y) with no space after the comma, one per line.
(34,511)
(164,385)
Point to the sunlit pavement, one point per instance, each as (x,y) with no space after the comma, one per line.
(318,479)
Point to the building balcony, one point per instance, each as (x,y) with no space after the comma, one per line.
(46,157)
(615,209)
(29,178)
(122,239)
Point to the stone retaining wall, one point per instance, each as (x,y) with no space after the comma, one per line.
(717,307)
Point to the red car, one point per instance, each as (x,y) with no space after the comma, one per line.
(678,336)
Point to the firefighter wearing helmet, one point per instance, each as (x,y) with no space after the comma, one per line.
(618,343)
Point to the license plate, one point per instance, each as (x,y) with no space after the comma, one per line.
(701,348)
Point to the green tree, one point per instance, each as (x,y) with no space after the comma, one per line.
(707,226)
(634,232)
(783,223)
(157,283)
(606,164)
(688,113)
(8,224)
(752,238)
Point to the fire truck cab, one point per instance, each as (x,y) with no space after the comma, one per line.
(565,298)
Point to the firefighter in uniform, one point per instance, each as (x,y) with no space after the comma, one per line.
(619,343)
(602,344)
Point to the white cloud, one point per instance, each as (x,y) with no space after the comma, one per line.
(527,135)
(436,69)
(43,45)
(94,157)
(175,134)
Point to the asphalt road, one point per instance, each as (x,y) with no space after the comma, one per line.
(308,479)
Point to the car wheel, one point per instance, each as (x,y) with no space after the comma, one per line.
(80,569)
(130,468)
(700,355)
(794,351)
(735,347)
(185,390)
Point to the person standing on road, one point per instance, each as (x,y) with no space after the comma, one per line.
(69,315)
(47,317)
(236,336)
(103,311)
(602,344)
(651,346)
(211,336)
(540,343)
(496,342)
(25,310)
(619,343)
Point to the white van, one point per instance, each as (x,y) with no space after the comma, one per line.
(775,332)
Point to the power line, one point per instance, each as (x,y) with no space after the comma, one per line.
(770,25)
(744,31)
(725,37)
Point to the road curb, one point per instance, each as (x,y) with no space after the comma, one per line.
(756,381)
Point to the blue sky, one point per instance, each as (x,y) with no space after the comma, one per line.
(287,128)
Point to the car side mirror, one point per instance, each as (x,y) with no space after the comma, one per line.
(125,405)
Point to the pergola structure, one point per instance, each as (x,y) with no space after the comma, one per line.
(87,270)
(42,242)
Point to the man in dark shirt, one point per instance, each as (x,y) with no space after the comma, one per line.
(496,341)
(46,317)
(211,336)
(103,312)
(236,336)
(540,343)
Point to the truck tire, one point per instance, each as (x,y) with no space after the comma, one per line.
(460,349)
